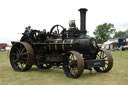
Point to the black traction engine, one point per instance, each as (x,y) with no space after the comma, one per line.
(69,48)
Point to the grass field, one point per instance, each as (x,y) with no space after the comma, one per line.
(117,76)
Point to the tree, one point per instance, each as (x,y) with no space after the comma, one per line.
(120,34)
(103,32)
(126,32)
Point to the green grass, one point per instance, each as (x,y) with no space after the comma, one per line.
(117,76)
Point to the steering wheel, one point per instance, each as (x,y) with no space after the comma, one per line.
(35,35)
(57,27)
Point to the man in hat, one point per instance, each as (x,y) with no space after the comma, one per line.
(28,30)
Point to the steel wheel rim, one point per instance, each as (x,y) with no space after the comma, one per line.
(20,57)
(73,65)
(104,54)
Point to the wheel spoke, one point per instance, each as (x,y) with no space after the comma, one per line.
(98,55)
(102,55)
(16,60)
(23,54)
(106,56)
(22,66)
(15,54)
(18,51)
(102,68)
(25,58)
(22,50)
(18,65)
(106,63)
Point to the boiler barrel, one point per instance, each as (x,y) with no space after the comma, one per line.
(81,45)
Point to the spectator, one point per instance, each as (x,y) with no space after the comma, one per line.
(8,50)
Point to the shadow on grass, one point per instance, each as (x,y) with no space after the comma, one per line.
(51,70)
(86,73)
(90,74)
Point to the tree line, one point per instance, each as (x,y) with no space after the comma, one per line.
(107,31)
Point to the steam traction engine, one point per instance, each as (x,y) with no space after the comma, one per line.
(72,49)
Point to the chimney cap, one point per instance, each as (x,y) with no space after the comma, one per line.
(83,9)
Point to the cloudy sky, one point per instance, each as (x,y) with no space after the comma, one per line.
(15,15)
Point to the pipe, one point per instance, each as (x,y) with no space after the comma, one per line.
(83,19)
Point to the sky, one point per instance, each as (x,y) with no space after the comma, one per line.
(15,15)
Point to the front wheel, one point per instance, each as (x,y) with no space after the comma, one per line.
(104,54)
(73,65)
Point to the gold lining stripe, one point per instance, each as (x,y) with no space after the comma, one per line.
(63,45)
(71,43)
(56,45)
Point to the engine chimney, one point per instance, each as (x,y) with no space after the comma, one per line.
(83,20)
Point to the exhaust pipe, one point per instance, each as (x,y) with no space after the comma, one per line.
(83,20)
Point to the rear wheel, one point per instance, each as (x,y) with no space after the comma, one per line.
(21,56)
(73,64)
(104,54)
